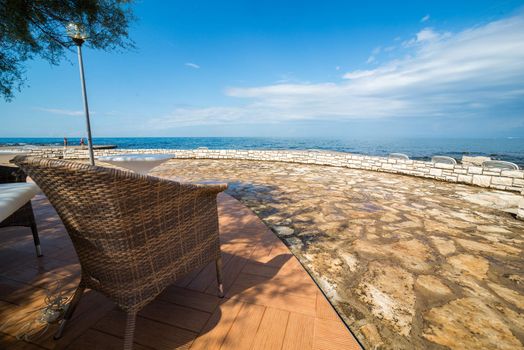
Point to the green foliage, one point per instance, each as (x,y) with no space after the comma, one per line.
(37,28)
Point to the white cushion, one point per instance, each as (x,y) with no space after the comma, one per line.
(15,195)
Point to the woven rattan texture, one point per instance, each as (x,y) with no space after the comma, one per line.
(133,234)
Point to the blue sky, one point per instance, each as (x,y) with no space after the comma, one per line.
(292,68)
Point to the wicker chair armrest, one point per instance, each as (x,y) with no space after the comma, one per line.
(213,188)
(197,188)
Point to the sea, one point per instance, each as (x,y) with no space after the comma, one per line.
(508,149)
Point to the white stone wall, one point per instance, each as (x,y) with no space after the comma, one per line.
(509,180)
(520,209)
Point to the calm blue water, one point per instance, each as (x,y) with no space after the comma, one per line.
(510,149)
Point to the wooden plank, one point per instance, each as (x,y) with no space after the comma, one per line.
(204,278)
(299,332)
(147,332)
(37,278)
(11,258)
(272,330)
(324,309)
(190,298)
(285,268)
(277,257)
(14,318)
(18,239)
(175,315)
(243,331)
(67,254)
(207,275)
(267,292)
(333,335)
(93,339)
(218,326)
(238,247)
(11,343)
(263,250)
(293,284)
(44,263)
(230,272)
(19,293)
(185,280)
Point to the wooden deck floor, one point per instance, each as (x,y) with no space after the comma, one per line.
(271,302)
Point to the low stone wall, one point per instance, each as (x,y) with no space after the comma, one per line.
(508,180)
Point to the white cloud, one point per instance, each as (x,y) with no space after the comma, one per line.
(188,116)
(359,74)
(371,59)
(478,72)
(424,19)
(192,65)
(62,111)
(389,48)
(426,34)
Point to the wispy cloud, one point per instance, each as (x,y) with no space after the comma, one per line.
(192,65)
(359,74)
(187,116)
(288,78)
(376,50)
(424,19)
(371,59)
(73,113)
(426,36)
(478,72)
(389,48)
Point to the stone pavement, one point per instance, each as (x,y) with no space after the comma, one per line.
(409,263)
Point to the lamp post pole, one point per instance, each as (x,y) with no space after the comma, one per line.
(79,43)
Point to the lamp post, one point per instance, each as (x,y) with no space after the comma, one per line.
(77,33)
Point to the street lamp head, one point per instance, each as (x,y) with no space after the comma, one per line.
(76,32)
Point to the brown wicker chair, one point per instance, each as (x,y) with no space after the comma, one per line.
(133,234)
(24,216)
